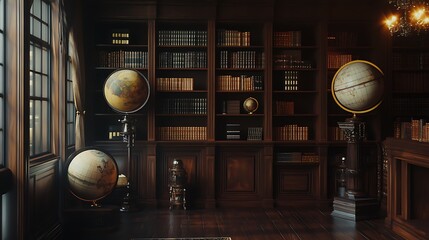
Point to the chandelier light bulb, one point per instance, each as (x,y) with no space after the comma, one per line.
(391,22)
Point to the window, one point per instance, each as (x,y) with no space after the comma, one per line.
(70,107)
(2,81)
(40,78)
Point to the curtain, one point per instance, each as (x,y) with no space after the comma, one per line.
(78,73)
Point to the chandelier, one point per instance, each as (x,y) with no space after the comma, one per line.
(410,16)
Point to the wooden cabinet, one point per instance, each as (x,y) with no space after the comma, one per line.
(407,176)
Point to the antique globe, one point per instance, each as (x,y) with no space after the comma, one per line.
(126,90)
(250,105)
(92,174)
(358,86)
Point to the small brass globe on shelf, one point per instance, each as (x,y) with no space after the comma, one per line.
(250,105)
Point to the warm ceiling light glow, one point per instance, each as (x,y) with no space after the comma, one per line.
(391,22)
(413,17)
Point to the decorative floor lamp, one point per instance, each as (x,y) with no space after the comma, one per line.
(127,91)
(357,87)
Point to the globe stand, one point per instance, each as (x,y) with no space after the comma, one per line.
(355,205)
(128,136)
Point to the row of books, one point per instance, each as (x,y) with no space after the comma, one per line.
(296,157)
(287,39)
(409,60)
(411,81)
(291,132)
(182,133)
(416,129)
(239,83)
(296,64)
(254,133)
(241,59)
(175,84)
(182,38)
(336,60)
(233,38)
(231,107)
(336,134)
(184,106)
(342,39)
(192,59)
(120,37)
(282,107)
(123,59)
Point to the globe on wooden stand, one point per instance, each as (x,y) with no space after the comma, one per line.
(92,174)
(357,87)
(127,91)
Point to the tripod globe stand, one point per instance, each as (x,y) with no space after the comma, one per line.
(127,91)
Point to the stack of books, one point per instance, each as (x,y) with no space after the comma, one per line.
(233,131)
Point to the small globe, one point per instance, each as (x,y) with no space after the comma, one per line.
(358,86)
(250,105)
(126,90)
(92,174)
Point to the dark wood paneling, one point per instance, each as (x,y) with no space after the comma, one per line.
(44,199)
(296,184)
(407,207)
(240,173)
(241,177)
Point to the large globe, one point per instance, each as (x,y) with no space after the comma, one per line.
(92,174)
(358,86)
(126,90)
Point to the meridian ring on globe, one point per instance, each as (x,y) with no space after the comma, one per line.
(92,174)
(358,86)
(126,90)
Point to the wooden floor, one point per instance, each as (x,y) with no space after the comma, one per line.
(239,224)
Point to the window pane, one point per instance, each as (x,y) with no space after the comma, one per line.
(1,14)
(1,47)
(45,86)
(37,85)
(31,56)
(45,62)
(37,29)
(2,79)
(31,133)
(31,83)
(1,113)
(35,8)
(37,59)
(37,127)
(45,12)
(45,122)
(45,33)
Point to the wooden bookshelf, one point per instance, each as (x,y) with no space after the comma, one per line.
(202,64)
